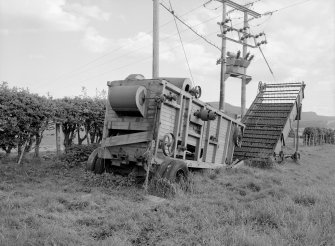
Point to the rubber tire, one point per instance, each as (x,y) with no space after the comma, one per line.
(160,173)
(174,168)
(99,166)
(92,159)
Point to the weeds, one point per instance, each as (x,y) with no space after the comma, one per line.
(264,163)
(305,199)
(49,204)
(162,187)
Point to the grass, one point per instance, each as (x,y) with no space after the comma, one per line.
(47,204)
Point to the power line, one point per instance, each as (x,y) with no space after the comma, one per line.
(82,67)
(116,49)
(135,50)
(181,41)
(189,27)
(280,9)
(142,59)
(267,63)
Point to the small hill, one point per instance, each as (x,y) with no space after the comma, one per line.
(309,119)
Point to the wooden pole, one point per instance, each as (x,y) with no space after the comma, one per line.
(58,139)
(244,82)
(223,61)
(155,40)
(297,134)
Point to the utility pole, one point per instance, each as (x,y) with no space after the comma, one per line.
(244,53)
(155,40)
(235,65)
(223,62)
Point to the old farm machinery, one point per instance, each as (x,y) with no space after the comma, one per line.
(269,121)
(162,125)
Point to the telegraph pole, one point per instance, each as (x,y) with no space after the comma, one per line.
(155,40)
(223,62)
(234,65)
(244,53)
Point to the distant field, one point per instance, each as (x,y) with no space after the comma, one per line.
(290,204)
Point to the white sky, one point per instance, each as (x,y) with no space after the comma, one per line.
(58,46)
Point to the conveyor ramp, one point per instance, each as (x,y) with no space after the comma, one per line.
(269,120)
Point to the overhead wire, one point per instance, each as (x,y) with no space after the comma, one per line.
(142,59)
(137,49)
(267,63)
(271,13)
(248,4)
(80,67)
(189,27)
(83,68)
(181,41)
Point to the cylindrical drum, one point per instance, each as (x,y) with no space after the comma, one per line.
(182,83)
(127,99)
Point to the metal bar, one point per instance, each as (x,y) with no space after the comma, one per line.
(237,41)
(278,97)
(281,85)
(240,8)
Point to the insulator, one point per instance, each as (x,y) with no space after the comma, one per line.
(251,57)
(238,54)
(247,55)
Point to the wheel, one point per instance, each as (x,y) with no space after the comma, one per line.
(160,173)
(92,159)
(175,171)
(99,166)
(168,144)
(196,92)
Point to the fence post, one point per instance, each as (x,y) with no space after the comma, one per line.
(58,139)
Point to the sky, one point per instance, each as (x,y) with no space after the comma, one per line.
(60,46)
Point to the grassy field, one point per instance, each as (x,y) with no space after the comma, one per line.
(290,204)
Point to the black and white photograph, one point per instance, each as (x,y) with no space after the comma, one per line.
(165,122)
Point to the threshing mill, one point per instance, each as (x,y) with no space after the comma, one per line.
(162,124)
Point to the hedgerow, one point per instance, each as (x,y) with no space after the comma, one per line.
(24,117)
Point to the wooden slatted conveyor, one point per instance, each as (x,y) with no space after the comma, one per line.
(269,120)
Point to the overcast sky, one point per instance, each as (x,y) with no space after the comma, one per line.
(58,46)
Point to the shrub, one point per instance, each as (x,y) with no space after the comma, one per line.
(76,154)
